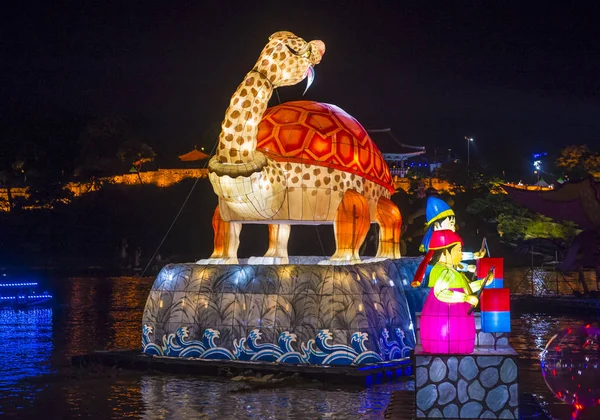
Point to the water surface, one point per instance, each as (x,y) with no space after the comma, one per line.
(105,313)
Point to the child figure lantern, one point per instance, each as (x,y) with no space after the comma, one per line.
(447,321)
(440,216)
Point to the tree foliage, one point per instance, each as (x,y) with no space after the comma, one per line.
(137,153)
(592,165)
(474,179)
(30,168)
(514,222)
(578,161)
(491,206)
(535,226)
(110,146)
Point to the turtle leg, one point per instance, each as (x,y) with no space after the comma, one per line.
(226,241)
(350,226)
(279,234)
(390,223)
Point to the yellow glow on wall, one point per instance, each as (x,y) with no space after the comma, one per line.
(163,178)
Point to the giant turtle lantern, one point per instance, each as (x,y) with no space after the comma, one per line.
(297,163)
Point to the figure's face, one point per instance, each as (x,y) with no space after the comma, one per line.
(288,59)
(456,254)
(447,223)
(452,256)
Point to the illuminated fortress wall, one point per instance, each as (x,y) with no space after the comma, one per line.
(162,178)
(165,178)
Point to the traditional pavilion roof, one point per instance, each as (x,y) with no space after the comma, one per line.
(193,156)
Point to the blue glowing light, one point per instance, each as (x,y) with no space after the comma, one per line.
(45,296)
(18,284)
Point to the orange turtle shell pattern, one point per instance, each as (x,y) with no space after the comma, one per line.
(321,134)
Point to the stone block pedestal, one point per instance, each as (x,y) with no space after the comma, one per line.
(482,385)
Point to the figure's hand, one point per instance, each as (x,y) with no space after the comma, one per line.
(479,254)
(415,284)
(472,300)
(490,275)
(471,268)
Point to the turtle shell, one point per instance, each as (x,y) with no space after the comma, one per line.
(321,134)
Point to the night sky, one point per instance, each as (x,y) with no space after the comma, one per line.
(520,79)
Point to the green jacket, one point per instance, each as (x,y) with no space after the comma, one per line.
(443,278)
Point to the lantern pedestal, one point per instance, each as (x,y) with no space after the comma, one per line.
(301,313)
(483,384)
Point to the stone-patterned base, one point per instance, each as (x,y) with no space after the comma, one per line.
(482,385)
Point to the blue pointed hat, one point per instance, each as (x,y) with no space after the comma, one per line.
(435,210)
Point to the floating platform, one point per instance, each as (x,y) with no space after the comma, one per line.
(23,295)
(364,375)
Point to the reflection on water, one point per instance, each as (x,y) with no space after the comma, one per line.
(25,347)
(193,398)
(530,335)
(570,365)
(90,314)
(546,281)
(180,397)
(100,313)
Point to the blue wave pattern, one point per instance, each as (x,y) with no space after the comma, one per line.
(315,351)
